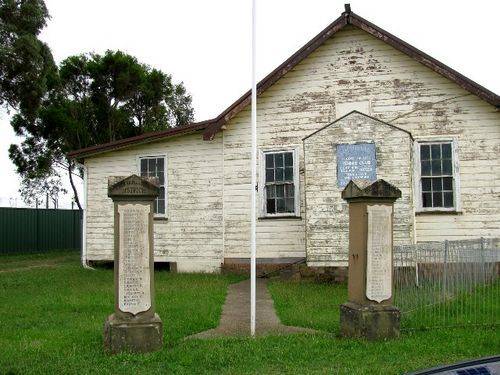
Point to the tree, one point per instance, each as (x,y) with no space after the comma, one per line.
(35,190)
(97,99)
(27,68)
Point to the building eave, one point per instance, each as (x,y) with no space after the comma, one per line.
(137,140)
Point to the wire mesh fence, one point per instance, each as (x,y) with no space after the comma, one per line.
(451,283)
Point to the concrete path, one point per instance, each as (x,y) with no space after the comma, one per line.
(235,318)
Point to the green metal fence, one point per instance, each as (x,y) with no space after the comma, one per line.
(26,230)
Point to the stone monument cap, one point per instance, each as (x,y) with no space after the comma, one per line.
(362,189)
(133,186)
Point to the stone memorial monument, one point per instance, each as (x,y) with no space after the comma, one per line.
(369,311)
(134,326)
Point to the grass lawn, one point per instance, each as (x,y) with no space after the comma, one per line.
(51,320)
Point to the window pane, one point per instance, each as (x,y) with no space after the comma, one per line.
(280,175)
(155,205)
(144,167)
(271,191)
(269,175)
(425,152)
(280,205)
(448,199)
(162,193)
(447,183)
(289,191)
(437,184)
(161,177)
(436,151)
(278,160)
(271,207)
(280,191)
(427,200)
(269,160)
(289,174)
(159,164)
(288,159)
(161,206)
(152,167)
(426,184)
(436,167)
(289,205)
(426,168)
(437,199)
(446,150)
(447,166)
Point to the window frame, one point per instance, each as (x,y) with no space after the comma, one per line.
(419,208)
(262,183)
(157,156)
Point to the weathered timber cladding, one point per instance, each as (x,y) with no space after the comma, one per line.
(209,181)
(193,229)
(353,66)
(327,214)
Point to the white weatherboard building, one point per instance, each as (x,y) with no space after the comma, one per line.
(354,102)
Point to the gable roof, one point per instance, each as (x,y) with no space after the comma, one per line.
(350,18)
(211,127)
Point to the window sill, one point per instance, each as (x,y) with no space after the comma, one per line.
(287,217)
(439,212)
(160,218)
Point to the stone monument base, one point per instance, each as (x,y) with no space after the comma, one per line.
(134,337)
(371,322)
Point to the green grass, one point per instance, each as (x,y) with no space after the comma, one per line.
(477,305)
(309,304)
(51,321)
(13,261)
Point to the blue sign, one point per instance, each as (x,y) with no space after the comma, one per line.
(355,161)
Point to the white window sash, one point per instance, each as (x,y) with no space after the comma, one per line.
(165,182)
(417,183)
(262,182)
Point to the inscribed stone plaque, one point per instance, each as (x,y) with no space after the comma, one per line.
(356,161)
(134,295)
(379,253)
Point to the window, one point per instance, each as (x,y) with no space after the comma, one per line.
(438,180)
(280,183)
(154,166)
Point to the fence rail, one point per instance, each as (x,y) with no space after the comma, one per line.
(451,283)
(24,230)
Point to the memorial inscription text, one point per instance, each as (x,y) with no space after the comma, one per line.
(134,293)
(379,253)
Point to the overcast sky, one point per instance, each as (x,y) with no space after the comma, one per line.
(206,44)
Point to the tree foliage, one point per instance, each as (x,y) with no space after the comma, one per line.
(27,69)
(36,190)
(97,99)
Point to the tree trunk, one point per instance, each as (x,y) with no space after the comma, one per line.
(75,193)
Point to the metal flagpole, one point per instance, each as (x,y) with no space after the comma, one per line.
(254,177)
